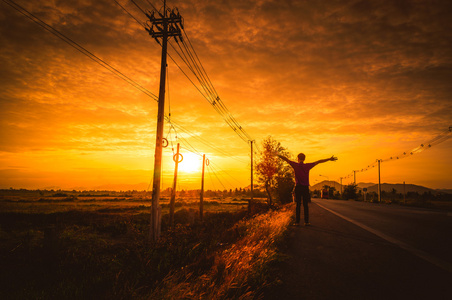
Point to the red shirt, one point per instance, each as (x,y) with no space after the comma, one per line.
(301,172)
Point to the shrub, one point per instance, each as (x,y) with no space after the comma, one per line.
(350,192)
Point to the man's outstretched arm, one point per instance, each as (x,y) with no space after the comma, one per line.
(332,158)
(283,158)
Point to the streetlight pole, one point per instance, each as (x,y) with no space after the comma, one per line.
(327,178)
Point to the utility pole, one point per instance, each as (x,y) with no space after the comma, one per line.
(177,159)
(201,199)
(354,176)
(162,28)
(379,181)
(404,193)
(341,186)
(252,162)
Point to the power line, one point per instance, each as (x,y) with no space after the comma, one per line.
(190,58)
(153,7)
(209,167)
(79,48)
(203,141)
(218,171)
(442,137)
(229,120)
(188,55)
(210,176)
(119,74)
(201,68)
(189,148)
(228,174)
(138,6)
(123,8)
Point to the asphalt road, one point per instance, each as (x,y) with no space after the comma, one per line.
(356,250)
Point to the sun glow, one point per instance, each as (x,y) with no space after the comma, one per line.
(191,163)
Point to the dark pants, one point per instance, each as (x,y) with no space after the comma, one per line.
(302,191)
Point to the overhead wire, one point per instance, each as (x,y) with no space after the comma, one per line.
(208,89)
(185,74)
(211,179)
(107,66)
(196,70)
(201,67)
(203,141)
(185,145)
(79,48)
(167,94)
(218,172)
(189,146)
(214,173)
(132,16)
(138,6)
(192,61)
(211,170)
(150,3)
(189,56)
(227,173)
(442,137)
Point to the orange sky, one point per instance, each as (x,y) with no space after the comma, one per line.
(362,80)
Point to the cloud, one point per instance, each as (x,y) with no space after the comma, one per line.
(331,71)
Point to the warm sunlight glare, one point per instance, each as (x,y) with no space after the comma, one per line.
(191,163)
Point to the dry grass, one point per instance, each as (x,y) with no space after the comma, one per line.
(239,270)
(96,248)
(48,205)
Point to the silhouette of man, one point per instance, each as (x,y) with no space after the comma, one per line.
(302,183)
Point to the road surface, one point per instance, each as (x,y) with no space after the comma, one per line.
(357,250)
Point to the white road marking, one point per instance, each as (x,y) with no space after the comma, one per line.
(419,253)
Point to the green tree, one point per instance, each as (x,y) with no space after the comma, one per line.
(332,192)
(284,184)
(350,191)
(394,195)
(272,173)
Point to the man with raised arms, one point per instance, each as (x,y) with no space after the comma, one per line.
(302,183)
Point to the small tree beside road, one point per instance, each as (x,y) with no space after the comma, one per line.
(350,192)
(272,173)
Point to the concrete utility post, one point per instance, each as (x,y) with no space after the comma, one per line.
(205,162)
(165,25)
(177,159)
(252,190)
(404,193)
(379,181)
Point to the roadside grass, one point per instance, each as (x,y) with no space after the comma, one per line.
(240,270)
(105,254)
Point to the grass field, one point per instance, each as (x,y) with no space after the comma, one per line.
(73,247)
(113,204)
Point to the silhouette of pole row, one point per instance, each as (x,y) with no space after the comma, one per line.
(442,137)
